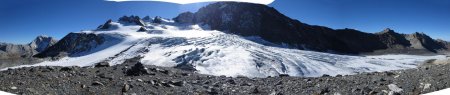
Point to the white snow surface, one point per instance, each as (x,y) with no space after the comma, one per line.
(5,93)
(217,53)
(440,92)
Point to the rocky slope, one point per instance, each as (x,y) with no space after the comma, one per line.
(135,78)
(14,51)
(260,20)
(72,43)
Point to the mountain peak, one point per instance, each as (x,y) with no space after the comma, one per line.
(107,25)
(42,42)
(131,20)
(420,33)
(43,36)
(147,19)
(387,31)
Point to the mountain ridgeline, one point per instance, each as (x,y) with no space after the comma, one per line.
(260,20)
(246,19)
(14,51)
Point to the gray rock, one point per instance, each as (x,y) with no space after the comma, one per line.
(97,83)
(13,88)
(126,88)
(102,64)
(137,70)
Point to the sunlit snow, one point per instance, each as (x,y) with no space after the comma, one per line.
(217,53)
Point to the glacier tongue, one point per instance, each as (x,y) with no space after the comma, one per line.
(217,53)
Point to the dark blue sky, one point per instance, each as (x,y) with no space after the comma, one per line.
(22,20)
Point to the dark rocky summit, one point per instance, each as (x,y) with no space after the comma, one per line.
(107,25)
(157,19)
(134,78)
(134,20)
(147,19)
(186,17)
(260,20)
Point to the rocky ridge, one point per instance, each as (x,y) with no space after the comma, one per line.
(71,44)
(16,51)
(260,20)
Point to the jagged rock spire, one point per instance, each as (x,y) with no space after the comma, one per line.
(157,19)
(107,25)
(142,29)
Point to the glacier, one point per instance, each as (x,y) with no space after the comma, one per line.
(214,52)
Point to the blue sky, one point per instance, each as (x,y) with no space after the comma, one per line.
(22,20)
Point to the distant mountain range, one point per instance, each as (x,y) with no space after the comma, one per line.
(11,51)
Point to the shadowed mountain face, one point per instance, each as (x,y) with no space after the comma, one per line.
(260,20)
(72,43)
(14,51)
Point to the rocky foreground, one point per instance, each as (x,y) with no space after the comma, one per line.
(135,78)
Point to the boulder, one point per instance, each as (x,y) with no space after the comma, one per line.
(137,70)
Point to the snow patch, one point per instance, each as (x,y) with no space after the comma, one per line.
(440,92)
(5,93)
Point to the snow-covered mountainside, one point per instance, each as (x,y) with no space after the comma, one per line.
(187,46)
(248,19)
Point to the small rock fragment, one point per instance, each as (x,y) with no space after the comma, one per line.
(102,64)
(126,88)
(231,81)
(178,83)
(186,74)
(97,83)
(284,75)
(395,88)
